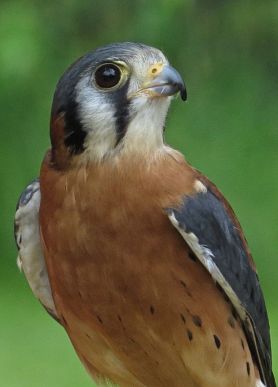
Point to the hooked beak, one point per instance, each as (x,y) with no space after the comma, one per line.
(166,83)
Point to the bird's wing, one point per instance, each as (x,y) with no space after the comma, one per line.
(210,228)
(30,258)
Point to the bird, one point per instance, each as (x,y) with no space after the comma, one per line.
(132,250)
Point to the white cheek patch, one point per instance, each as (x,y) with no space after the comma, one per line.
(97,117)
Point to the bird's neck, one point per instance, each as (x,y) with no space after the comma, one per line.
(144,134)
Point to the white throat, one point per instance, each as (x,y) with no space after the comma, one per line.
(145,130)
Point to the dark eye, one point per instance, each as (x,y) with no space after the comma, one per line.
(107,75)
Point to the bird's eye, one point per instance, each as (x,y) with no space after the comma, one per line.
(108,75)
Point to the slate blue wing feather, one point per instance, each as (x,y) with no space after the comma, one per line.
(208,216)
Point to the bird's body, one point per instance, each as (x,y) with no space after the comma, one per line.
(123,286)
(123,217)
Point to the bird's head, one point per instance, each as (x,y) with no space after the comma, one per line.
(112,100)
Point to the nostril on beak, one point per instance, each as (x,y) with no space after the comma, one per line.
(164,80)
(156,69)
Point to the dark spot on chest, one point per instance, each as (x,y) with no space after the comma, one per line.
(186,288)
(197,321)
(189,335)
(248,368)
(183,284)
(217,341)
(183,318)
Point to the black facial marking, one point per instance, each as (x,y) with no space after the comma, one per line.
(64,101)
(122,115)
(217,341)
(74,134)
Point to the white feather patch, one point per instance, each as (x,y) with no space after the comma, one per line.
(199,186)
(97,116)
(259,383)
(30,258)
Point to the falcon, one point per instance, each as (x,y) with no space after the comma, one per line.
(137,254)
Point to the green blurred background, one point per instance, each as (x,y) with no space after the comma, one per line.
(227,52)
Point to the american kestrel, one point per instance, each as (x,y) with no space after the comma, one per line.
(133,251)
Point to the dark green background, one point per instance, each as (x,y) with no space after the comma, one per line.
(227,52)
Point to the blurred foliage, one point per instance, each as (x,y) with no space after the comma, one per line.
(227,52)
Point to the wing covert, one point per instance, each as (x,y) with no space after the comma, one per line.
(207,225)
